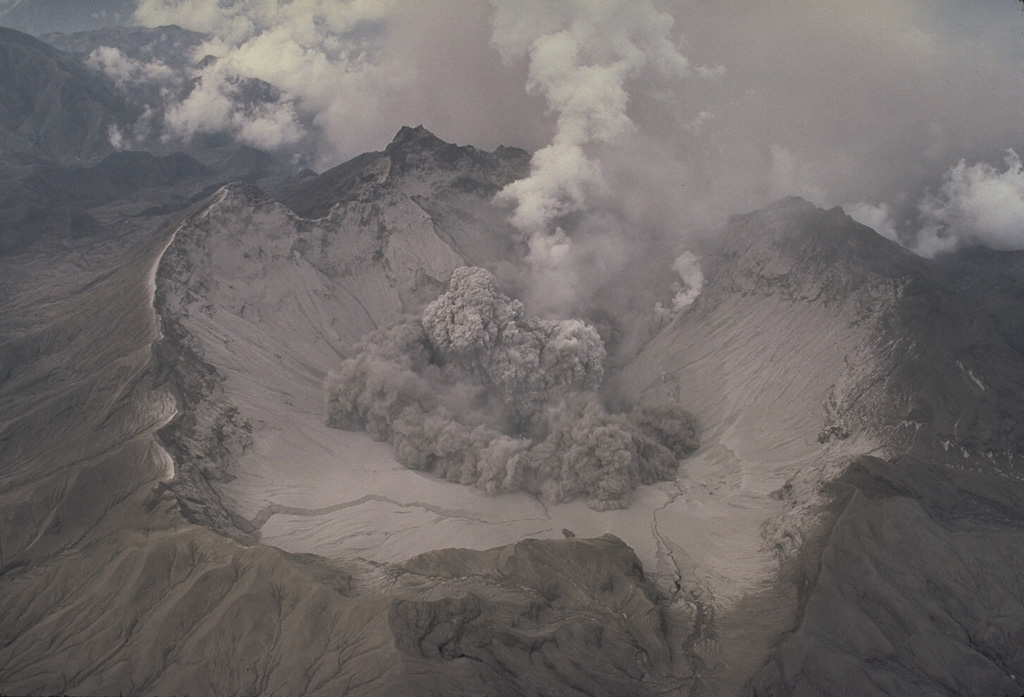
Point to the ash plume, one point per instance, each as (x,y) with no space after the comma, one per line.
(476,392)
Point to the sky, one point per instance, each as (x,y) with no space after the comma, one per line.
(667,113)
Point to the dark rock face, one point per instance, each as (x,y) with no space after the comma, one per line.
(120,176)
(170,45)
(558,617)
(991,282)
(916,592)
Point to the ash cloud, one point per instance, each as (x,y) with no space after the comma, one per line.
(476,392)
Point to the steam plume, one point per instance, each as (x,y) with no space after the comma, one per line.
(686,291)
(583,57)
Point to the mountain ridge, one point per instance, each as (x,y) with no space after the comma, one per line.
(51,106)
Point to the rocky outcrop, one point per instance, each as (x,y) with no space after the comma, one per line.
(566,617)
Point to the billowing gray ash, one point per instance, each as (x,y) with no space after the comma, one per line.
(476,392)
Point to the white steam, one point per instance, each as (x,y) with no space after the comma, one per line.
(583,58)
(687,289)
(219,103)
(308,55)
(478,393)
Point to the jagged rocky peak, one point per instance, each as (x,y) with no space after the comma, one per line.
(416,163)
(419,149)
(415,135)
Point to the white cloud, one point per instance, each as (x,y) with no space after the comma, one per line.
(361,69)
(124,70)
(218,103)
(207,109)
(308,50)
(978,204)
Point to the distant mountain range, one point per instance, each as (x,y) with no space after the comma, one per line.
(39,17)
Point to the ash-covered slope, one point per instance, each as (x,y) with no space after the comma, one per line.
(818,350)
(866,340)
(823,353)
(250,288)
(815,344)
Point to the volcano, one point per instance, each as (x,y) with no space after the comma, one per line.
(178,517)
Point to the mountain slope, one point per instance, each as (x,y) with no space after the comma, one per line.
(817,343)
(51,107)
